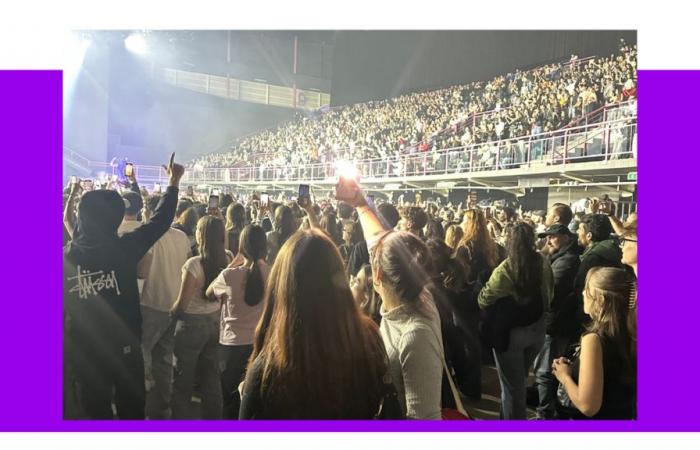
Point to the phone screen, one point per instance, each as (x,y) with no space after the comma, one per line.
(370,201)
(304,196)
(264,199)
(156,187)
(213,201)
(73,179)
(129,169)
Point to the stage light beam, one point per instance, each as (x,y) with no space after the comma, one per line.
(136,43)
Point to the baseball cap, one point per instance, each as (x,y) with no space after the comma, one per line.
(553,229)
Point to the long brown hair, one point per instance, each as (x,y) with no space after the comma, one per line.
(477,238)
(315,348)
(453,236)
(211,248)
(614,308)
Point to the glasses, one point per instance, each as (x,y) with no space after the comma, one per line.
(623,240)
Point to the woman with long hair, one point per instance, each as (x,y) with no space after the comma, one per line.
(241,290)
(285,226)
(235,221)
(600,381)
(363,291)
(517,293)
(453,236)
(197,327)
(479,254)
(410,326)
(315,355)
(477,250)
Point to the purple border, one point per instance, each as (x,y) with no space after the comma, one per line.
(31,128)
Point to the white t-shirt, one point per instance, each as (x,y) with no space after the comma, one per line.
(162,284)
(238,319)
(199,304)
(127,226)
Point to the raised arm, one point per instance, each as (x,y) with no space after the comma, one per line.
(136,243)
(352,193)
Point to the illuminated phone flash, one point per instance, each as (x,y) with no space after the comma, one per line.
(346,169)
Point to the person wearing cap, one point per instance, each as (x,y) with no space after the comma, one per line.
(133,204)
(102,342)
(562,320)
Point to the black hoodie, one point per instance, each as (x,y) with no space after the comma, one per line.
(100,291)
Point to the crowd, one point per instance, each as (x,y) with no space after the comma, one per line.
(507,107)
(342,309)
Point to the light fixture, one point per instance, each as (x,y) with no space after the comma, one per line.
(136,43)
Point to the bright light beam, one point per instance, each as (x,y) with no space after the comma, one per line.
(136,43)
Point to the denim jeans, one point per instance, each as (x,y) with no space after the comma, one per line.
(197,360)
(234,359)
(554,347)
(157,343)
(513,367)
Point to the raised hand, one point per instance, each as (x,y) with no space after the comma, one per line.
(175,171)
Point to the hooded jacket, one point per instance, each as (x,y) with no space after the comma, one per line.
(100,292)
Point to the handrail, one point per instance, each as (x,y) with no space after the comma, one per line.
(551,147)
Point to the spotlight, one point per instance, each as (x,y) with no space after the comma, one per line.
(346,169)
(136,43)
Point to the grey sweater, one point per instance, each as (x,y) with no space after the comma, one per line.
(414,345)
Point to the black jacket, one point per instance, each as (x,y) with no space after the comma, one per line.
(562,319)
(601,254)
(100,292)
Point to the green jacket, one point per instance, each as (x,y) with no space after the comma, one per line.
(501,285)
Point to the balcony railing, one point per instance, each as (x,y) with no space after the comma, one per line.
(611,140)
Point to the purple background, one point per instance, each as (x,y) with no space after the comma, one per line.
(31,381)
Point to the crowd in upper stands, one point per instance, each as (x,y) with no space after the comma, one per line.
(517,104)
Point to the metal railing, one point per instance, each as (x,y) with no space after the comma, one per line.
(594,142)
(611,140)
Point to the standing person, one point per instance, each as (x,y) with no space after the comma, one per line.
(359,256)
(285,225)
(315,355)
(235,221)
(160,269)
(197,328)
(524,280)
(594,235)
(479,254)
(600,381)
(187,223)
(241,289)
(563,325)
(103,329)
(453,235)
(628,243)
(133,204)
(410,325)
